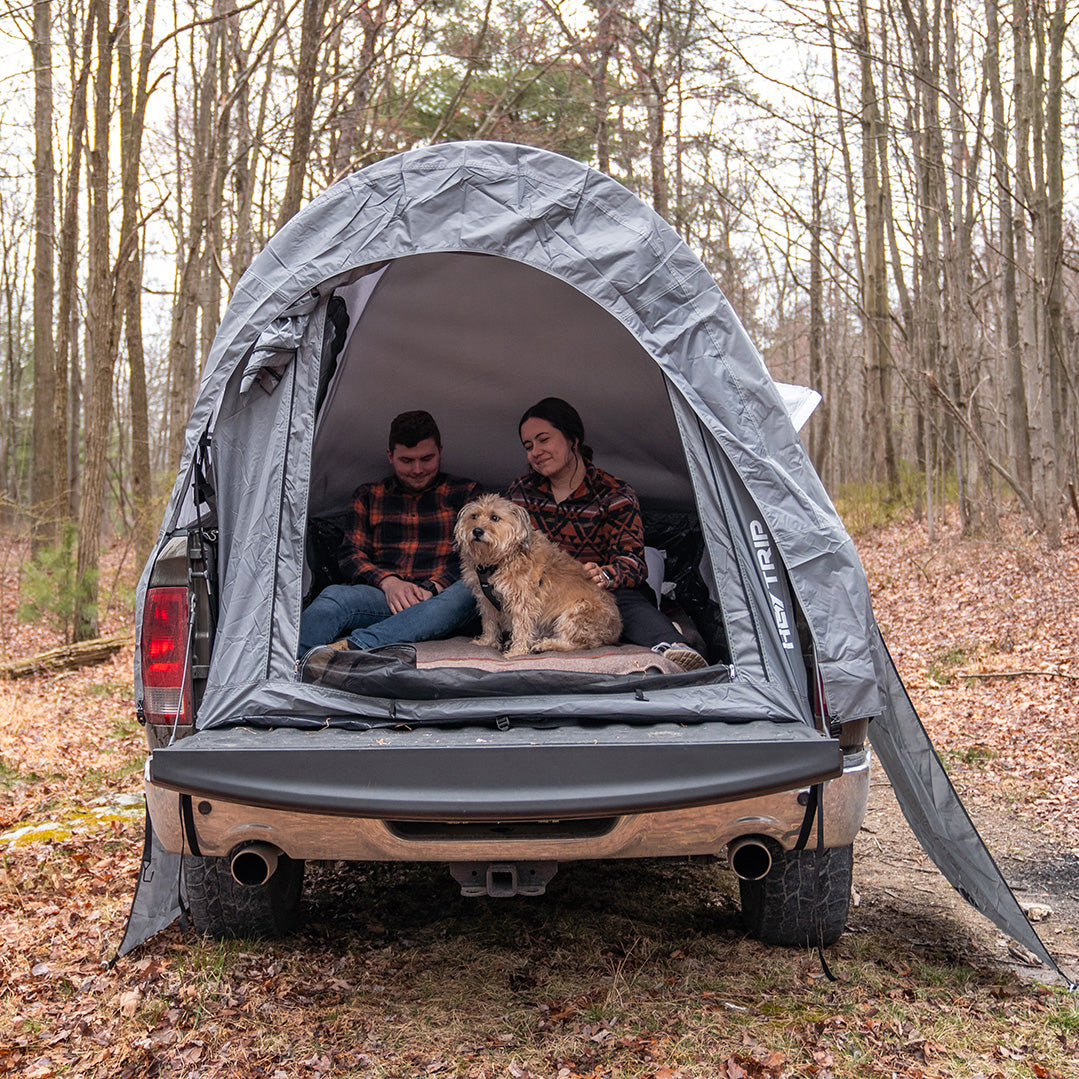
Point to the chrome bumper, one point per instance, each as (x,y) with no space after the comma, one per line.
(215,827)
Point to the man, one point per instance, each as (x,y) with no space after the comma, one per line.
(399,556)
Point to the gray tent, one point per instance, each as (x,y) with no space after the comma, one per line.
(479,277)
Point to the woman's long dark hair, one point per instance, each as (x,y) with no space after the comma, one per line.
(563,417)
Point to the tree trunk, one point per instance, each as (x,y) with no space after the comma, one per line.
(248,144)
(243,180)
(102,355)
(932,301)
(13,291)
(210,285)
(877,317)
(1028,299)
(133,99)
(356,117)
(601,99)
(1053,246)
(844,144)
(67,348)
(1017,418)
(968,348)
(66,658)
(306,68)
(44,491)
(191,255)
(818,431)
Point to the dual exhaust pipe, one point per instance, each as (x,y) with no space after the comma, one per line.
(750,858)
(254,863)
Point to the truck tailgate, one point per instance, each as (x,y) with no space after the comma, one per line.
(486,774)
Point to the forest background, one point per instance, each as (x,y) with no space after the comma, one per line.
(886,192)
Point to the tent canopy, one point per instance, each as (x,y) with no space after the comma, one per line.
(479,277)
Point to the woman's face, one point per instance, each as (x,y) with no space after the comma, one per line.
(549,452)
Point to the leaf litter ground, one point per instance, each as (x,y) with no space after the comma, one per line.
(639,969)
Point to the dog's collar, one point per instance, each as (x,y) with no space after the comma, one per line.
(484,574)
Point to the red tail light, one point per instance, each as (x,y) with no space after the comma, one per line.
(165,673)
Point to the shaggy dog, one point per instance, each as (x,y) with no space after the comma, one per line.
(527,586)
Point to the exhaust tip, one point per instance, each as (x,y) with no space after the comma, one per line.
(254,864)
(750,859)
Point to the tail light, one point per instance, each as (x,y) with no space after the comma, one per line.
(166,678)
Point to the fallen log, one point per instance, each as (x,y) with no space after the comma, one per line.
(67,657)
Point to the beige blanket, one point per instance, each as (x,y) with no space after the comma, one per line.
(613,659)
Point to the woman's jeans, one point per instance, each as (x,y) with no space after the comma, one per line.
(642,621)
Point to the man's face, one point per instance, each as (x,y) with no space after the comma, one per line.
(416,466)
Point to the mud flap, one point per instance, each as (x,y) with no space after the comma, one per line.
(159,894)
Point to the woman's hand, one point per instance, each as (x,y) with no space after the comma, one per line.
(598,575)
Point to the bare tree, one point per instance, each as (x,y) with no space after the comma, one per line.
(134,95)
(819,432)
(306,67)
(68,315)
(1017,420)
(1039,397)
(875,283)
(101,325)
(1052,247)
(44,488)
(191,253)
(15,240)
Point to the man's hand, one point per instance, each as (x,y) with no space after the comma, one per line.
(401,594)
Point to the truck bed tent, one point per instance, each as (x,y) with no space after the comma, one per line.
(472,279)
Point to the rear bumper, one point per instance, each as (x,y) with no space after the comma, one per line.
(563,794)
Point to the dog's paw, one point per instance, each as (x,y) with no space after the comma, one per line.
(486,642)
(555,644)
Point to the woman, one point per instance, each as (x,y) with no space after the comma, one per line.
(596,518)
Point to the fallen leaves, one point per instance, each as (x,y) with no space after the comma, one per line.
(984,636)
(402,978)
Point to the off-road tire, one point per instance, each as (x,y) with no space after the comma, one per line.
(221,907)
(802,900)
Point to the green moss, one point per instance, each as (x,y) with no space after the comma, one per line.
(939,668)
(9,776)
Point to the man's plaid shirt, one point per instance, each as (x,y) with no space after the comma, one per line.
(600,522)
(395,532)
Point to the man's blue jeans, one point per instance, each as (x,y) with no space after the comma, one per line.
(361,612)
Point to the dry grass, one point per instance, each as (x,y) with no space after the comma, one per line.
(638,970)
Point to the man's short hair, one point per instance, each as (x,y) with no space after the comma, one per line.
(411,428)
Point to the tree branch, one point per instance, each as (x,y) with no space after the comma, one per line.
(1024,498)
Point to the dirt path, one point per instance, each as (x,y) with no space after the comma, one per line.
(900,890)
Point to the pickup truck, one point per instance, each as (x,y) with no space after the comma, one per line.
(474,278)
(502,804)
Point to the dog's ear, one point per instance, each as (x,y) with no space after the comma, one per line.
(524,525)
(460,528)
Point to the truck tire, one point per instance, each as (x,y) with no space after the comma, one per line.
(802,900)
(221,907)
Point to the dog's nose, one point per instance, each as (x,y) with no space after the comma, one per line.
(477,533)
